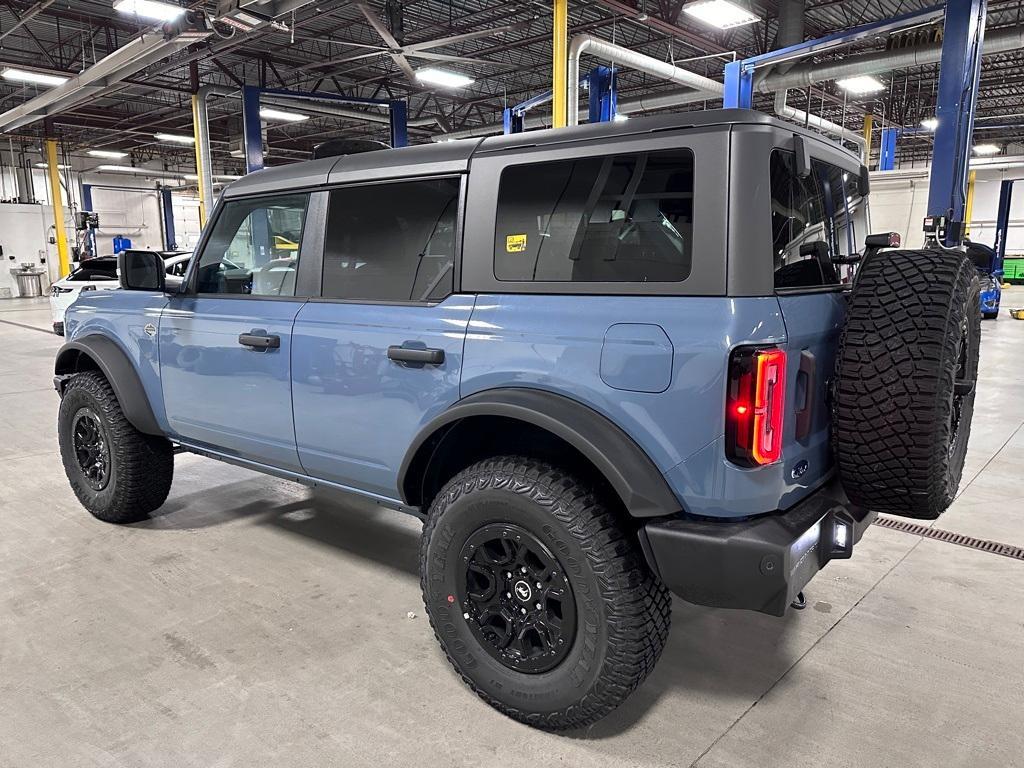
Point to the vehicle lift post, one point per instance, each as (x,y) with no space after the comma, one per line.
(600,83)
(253,128)
(959,71)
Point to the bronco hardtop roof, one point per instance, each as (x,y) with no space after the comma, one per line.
(454,156)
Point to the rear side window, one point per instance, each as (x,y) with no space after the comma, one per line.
(392,242)
(814,219)
(619,218)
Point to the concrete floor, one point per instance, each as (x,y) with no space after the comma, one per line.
(255,624)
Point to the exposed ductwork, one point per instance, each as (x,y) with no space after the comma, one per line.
(800,76)
(103,77)
(996,41)
(581,44)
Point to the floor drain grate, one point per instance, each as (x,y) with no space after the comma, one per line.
(983,545)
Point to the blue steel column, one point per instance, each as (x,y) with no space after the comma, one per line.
(739,86)
(959,71)
(252,129)
(1003,220)
(398,112)
(87,206)
(170,237)
(603,99)
(887,156)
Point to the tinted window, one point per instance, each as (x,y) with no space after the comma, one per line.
(814,219)
(392,242)
(95,270)
(254,247)
(619,218)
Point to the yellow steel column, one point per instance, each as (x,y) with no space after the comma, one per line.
(559,62)
(969,209)
(869,122)
(56,200)
(199,159)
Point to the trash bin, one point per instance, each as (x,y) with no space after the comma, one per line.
(30,282)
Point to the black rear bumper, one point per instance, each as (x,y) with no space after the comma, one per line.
(758,564)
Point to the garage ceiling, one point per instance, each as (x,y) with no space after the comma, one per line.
(332,46)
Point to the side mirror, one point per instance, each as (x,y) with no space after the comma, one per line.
(864,182)
(141,271)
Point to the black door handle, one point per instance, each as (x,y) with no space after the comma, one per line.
(259,341)
(416,356)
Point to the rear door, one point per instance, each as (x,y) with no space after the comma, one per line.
(226,346)
(380,352)
(815,220)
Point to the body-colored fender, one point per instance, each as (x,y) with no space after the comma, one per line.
(630,472)
(97,352)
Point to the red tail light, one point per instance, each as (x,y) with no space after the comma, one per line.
(755,406)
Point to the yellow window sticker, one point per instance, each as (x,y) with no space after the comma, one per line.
(515,243)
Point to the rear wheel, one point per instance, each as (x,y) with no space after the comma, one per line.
(905,385)
(541,600)
(118,473)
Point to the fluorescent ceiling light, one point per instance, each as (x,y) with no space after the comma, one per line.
(36,78)
(861,84)
(150,9)
(986,149)
(287,117)
(59,167)
(930,123)
(443,77)
(620,117)
(111,154)
(720,13)
(174,138)
(122,169)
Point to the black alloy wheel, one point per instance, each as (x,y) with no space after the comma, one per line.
(517,599)
(91,449)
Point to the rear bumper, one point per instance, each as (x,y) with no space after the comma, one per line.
(759,564)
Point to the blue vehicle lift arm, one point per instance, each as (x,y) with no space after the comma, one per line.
(959,71)
(253,130)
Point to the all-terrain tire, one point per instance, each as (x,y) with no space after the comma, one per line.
(622,611)
(904,390)
(137,468)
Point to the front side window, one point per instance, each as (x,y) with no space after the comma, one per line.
(618,218)
(392,242)
(815,219)
(254,247)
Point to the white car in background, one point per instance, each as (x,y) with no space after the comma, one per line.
(100,274)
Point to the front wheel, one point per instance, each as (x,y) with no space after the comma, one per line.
(540,598)
(118,473)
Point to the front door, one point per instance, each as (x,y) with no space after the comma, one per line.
(380,353)
(226,346)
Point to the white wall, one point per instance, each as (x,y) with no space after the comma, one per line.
(899,201)
(24,235)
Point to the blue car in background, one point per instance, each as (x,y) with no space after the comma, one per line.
(990,273)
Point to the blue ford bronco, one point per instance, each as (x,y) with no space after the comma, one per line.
(601,364)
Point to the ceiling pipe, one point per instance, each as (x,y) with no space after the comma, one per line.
(996,41)
(581,44)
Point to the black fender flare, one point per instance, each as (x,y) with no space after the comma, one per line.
(114,364)
(624,464)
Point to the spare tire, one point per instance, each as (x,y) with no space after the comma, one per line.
(905,381)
